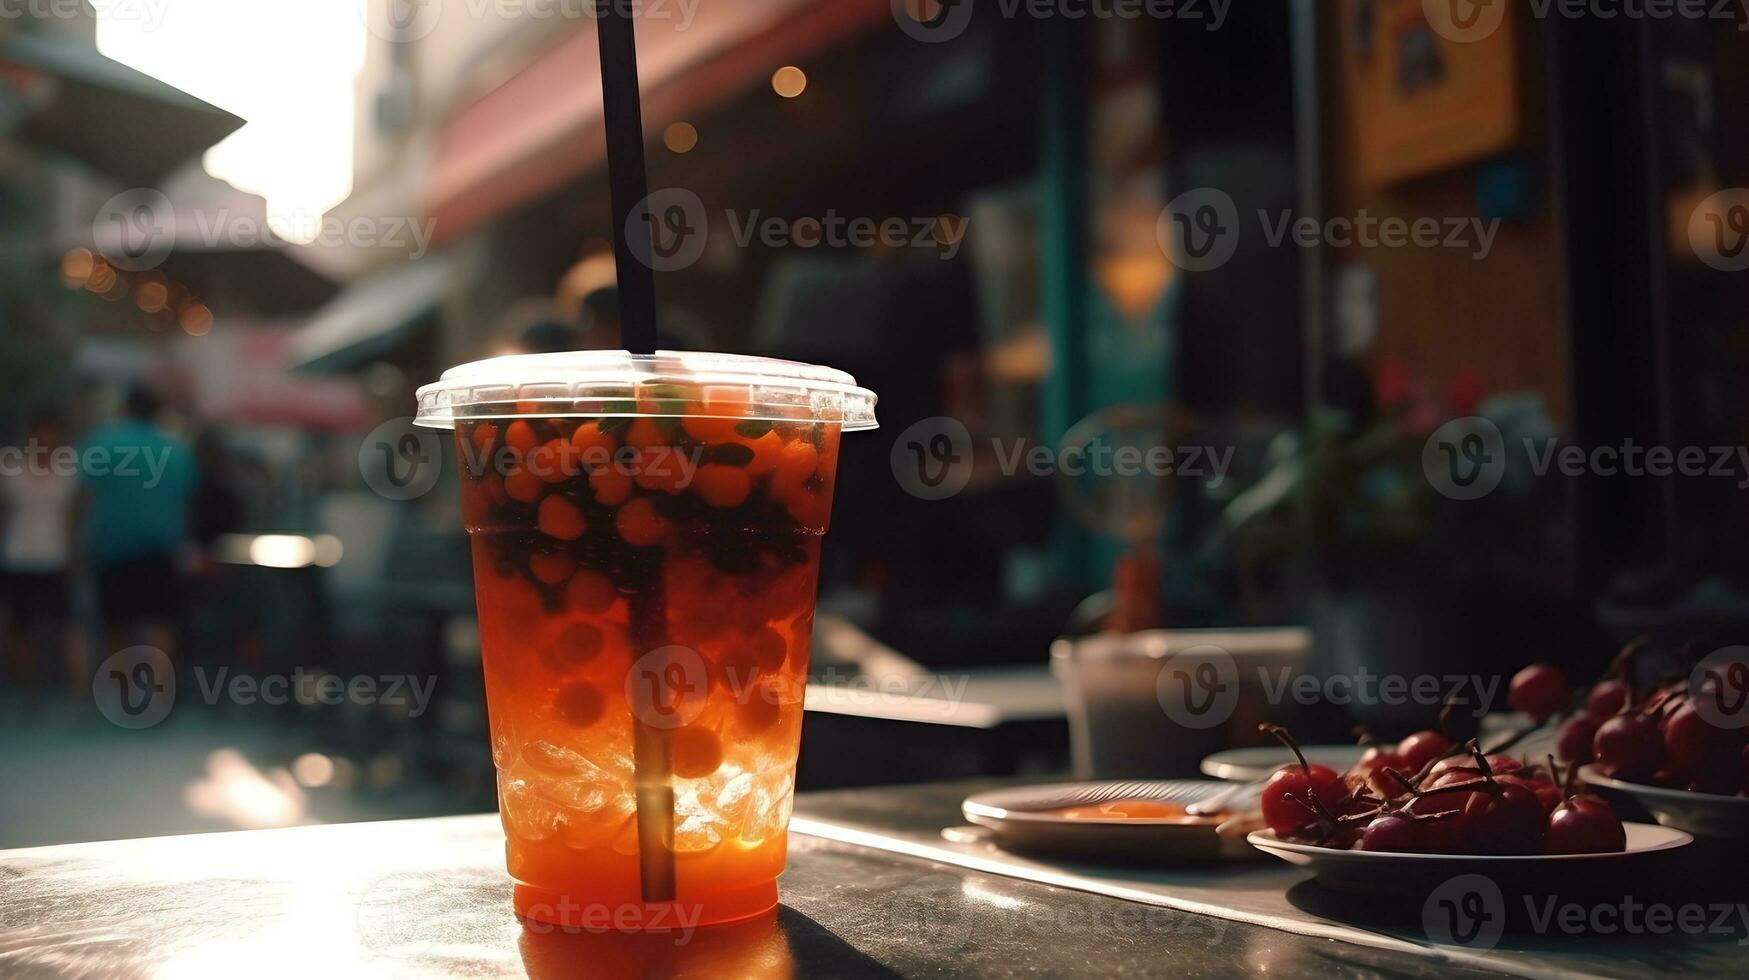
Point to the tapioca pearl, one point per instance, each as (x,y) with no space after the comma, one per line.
(797,462)
(591,592)
(741,673)
(483,436)
(561,519)
(710,430)
(639,525)
(700,622)
(645,433)
(557,461)
(721,486)
(593,447)
(610,486)
(660,468)
(551,568)
(576,645)
(766,647)
(580,705)
(766,451)
(522,485)
(521,437)
(760,709)
(695,751)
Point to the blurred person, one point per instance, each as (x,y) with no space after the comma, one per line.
(216,614)
(133,522)
(599,319)
(215,506)
(36,536)
(547,337)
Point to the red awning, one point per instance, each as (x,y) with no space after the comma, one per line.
(542,128)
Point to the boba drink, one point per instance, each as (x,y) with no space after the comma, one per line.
(646,543)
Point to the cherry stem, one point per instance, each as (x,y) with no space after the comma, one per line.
(1447,712)
(1399,777)
(1481,760)
(1363,735)
(1625,658)
(1457,750)
(1284,737)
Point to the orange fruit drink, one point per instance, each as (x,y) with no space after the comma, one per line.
(646,542)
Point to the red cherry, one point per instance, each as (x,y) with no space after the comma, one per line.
(1300,797)
(1421,748)
(1629,747)
(1499,764)
(1286,797)
(1369,773)
(1585,825)
(1547,794)
(1397,833)
(1505,820)
(1607,698)
(1539,691)
(1703,754)
(1573,741)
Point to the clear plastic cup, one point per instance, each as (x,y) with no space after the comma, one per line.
(646,539)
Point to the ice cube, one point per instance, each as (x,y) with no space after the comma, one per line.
(527,815)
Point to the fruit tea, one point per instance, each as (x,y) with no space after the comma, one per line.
(709,527)
(646,557)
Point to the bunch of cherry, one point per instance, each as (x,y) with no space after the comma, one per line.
(1658,735)
(1428,796)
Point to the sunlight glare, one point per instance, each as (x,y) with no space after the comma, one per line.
(286,66)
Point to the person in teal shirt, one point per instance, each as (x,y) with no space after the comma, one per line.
(136,483)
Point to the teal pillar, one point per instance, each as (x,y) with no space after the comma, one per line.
(1064,277)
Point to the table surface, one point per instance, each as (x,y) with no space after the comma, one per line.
(430,898)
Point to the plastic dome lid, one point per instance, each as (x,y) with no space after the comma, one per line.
(614,383)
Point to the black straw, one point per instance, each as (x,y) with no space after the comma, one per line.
(625,173)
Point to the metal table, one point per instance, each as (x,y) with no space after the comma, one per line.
(430,898)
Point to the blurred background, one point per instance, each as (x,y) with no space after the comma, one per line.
(1362,270)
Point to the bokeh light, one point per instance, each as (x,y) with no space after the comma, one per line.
(789,81)
(681,137)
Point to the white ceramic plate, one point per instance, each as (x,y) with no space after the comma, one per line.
(1248,765)
(1382,872)
(1026,819)
(1701,814)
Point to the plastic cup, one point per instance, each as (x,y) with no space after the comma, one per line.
(646,540)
